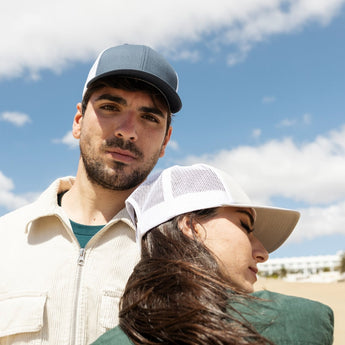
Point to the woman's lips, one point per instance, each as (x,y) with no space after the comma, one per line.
(254,271)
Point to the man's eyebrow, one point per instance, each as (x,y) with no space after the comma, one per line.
(116,99)
(120,100)
(252,220)
(152,110)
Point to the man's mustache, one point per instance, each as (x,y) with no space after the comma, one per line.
(124,145)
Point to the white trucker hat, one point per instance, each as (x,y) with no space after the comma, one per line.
(181,189)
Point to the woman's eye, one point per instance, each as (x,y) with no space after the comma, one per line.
(247,227)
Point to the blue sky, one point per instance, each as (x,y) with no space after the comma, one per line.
(262,84)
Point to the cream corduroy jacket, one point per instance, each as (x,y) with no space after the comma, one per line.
(51,291)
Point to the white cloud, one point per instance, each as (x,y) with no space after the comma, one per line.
(307,118)
(16,118)
(188,55)
(304,120)
(320,221)
(173,145)
(268,99)
(50,35)
(239,55)
(8,199)
(68,140)
(287,123)
(256,133)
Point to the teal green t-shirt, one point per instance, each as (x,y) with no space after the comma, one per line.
(84,233)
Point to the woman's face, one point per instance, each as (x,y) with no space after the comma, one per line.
(229,235)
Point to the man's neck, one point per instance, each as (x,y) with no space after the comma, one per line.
(91,204)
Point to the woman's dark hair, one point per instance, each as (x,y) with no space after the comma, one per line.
(127,84)
(177,293)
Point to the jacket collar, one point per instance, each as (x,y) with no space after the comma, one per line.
(46,205)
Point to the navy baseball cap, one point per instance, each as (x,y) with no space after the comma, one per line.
(139,62)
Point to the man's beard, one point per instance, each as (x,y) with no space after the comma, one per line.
(115,177)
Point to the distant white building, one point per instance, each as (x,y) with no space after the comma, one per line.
(326,267)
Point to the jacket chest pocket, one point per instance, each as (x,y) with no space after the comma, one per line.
(21,317)
(109,309)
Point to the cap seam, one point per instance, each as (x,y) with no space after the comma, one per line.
(144,59)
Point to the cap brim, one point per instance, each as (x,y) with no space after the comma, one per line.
(166,90)
(274,225)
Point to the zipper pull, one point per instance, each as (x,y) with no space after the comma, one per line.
(81,259)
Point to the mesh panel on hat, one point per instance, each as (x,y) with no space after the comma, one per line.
(156,195)
(149,194)
(185,181)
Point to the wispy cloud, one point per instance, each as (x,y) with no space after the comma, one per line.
(286,123)
(268,99)
(16,118)
(256,133)
(8,199)
(36,41)
(306,120)
(173,145)
(320,221)
(68,140)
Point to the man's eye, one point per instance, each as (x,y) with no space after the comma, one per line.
(151,118)
(109,107)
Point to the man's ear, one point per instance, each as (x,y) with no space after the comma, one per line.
(191,228)
(77,122)
(165,142)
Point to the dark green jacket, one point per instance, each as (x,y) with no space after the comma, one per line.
(285,320)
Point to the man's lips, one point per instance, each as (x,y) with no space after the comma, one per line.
(124,156)
(254,269)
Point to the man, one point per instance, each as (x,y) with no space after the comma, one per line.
(65,259)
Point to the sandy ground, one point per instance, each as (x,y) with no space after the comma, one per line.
(332,294)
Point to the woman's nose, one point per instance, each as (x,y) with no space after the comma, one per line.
(260,254)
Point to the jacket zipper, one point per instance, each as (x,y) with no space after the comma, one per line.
(80,262)
(81,259)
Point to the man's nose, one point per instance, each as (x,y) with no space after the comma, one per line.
(127,127)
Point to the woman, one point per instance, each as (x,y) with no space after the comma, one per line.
(201,239)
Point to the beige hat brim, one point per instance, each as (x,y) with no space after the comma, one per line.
(274,225)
